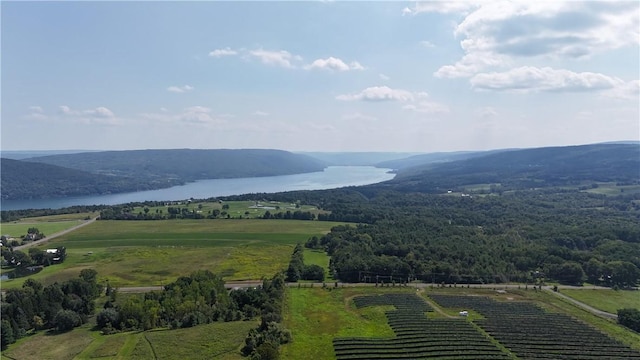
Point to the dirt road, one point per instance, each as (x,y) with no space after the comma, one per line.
(51,237)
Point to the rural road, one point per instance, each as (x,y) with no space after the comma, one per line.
(591,309)
(51,237)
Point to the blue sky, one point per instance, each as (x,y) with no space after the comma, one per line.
(319,76)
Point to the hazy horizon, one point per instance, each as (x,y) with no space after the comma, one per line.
(319,76)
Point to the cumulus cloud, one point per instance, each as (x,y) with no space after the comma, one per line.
(496,34)
(383,77)
(280,58)
(335,64)
(218,53)
(180,89)
(528,78)
(379,93)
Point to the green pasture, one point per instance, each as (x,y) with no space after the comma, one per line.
(318,257)
(211,341)
(146,253)
(606,300)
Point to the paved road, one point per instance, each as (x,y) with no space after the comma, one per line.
(51,237)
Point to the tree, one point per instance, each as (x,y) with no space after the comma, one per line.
(6,336)
(66,320)
(629,318)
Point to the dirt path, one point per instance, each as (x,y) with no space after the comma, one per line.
(51,237)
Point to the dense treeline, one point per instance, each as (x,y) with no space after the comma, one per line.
(569,237)
(630,318)
(297,270)
(58,306)
(12,215)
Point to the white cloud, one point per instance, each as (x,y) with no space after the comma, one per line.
(383,77)
(627,91)
(277,58)
(487,112)
(527,78)
(335,64)
(199,115)
(428,107)
(99,115)
(497,34)
(260,113)
(442,7)
(218,53)
(379,93)
(36,109)
(180,89)
(427,44)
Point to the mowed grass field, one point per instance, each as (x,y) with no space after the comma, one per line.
(147,253)
(212,341)
(606,300)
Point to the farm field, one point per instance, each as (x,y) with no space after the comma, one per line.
(146,253)
(607,300)
(48,228)
(356,325)
(211,341)
(245,209)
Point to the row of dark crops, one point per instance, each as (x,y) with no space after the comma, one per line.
(532,333)
(417,337)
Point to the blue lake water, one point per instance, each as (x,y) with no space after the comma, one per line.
(331,178)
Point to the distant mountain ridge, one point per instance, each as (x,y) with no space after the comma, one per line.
(527,168)
(94,173)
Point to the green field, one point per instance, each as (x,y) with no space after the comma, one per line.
(211,341)
(146,253)
(607,300)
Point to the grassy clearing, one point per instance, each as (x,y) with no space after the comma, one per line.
(315,316)
(45,346)
(607,300)
(145,253)
(612,189)
(319,257)
(211,341)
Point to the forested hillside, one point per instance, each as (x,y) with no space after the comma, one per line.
(187,164)
(26,180)
(529,168)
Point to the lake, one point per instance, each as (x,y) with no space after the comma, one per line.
(332,177)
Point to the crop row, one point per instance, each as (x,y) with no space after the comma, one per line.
(530,332)
(417,336)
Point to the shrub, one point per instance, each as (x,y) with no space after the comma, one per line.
(66,320)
